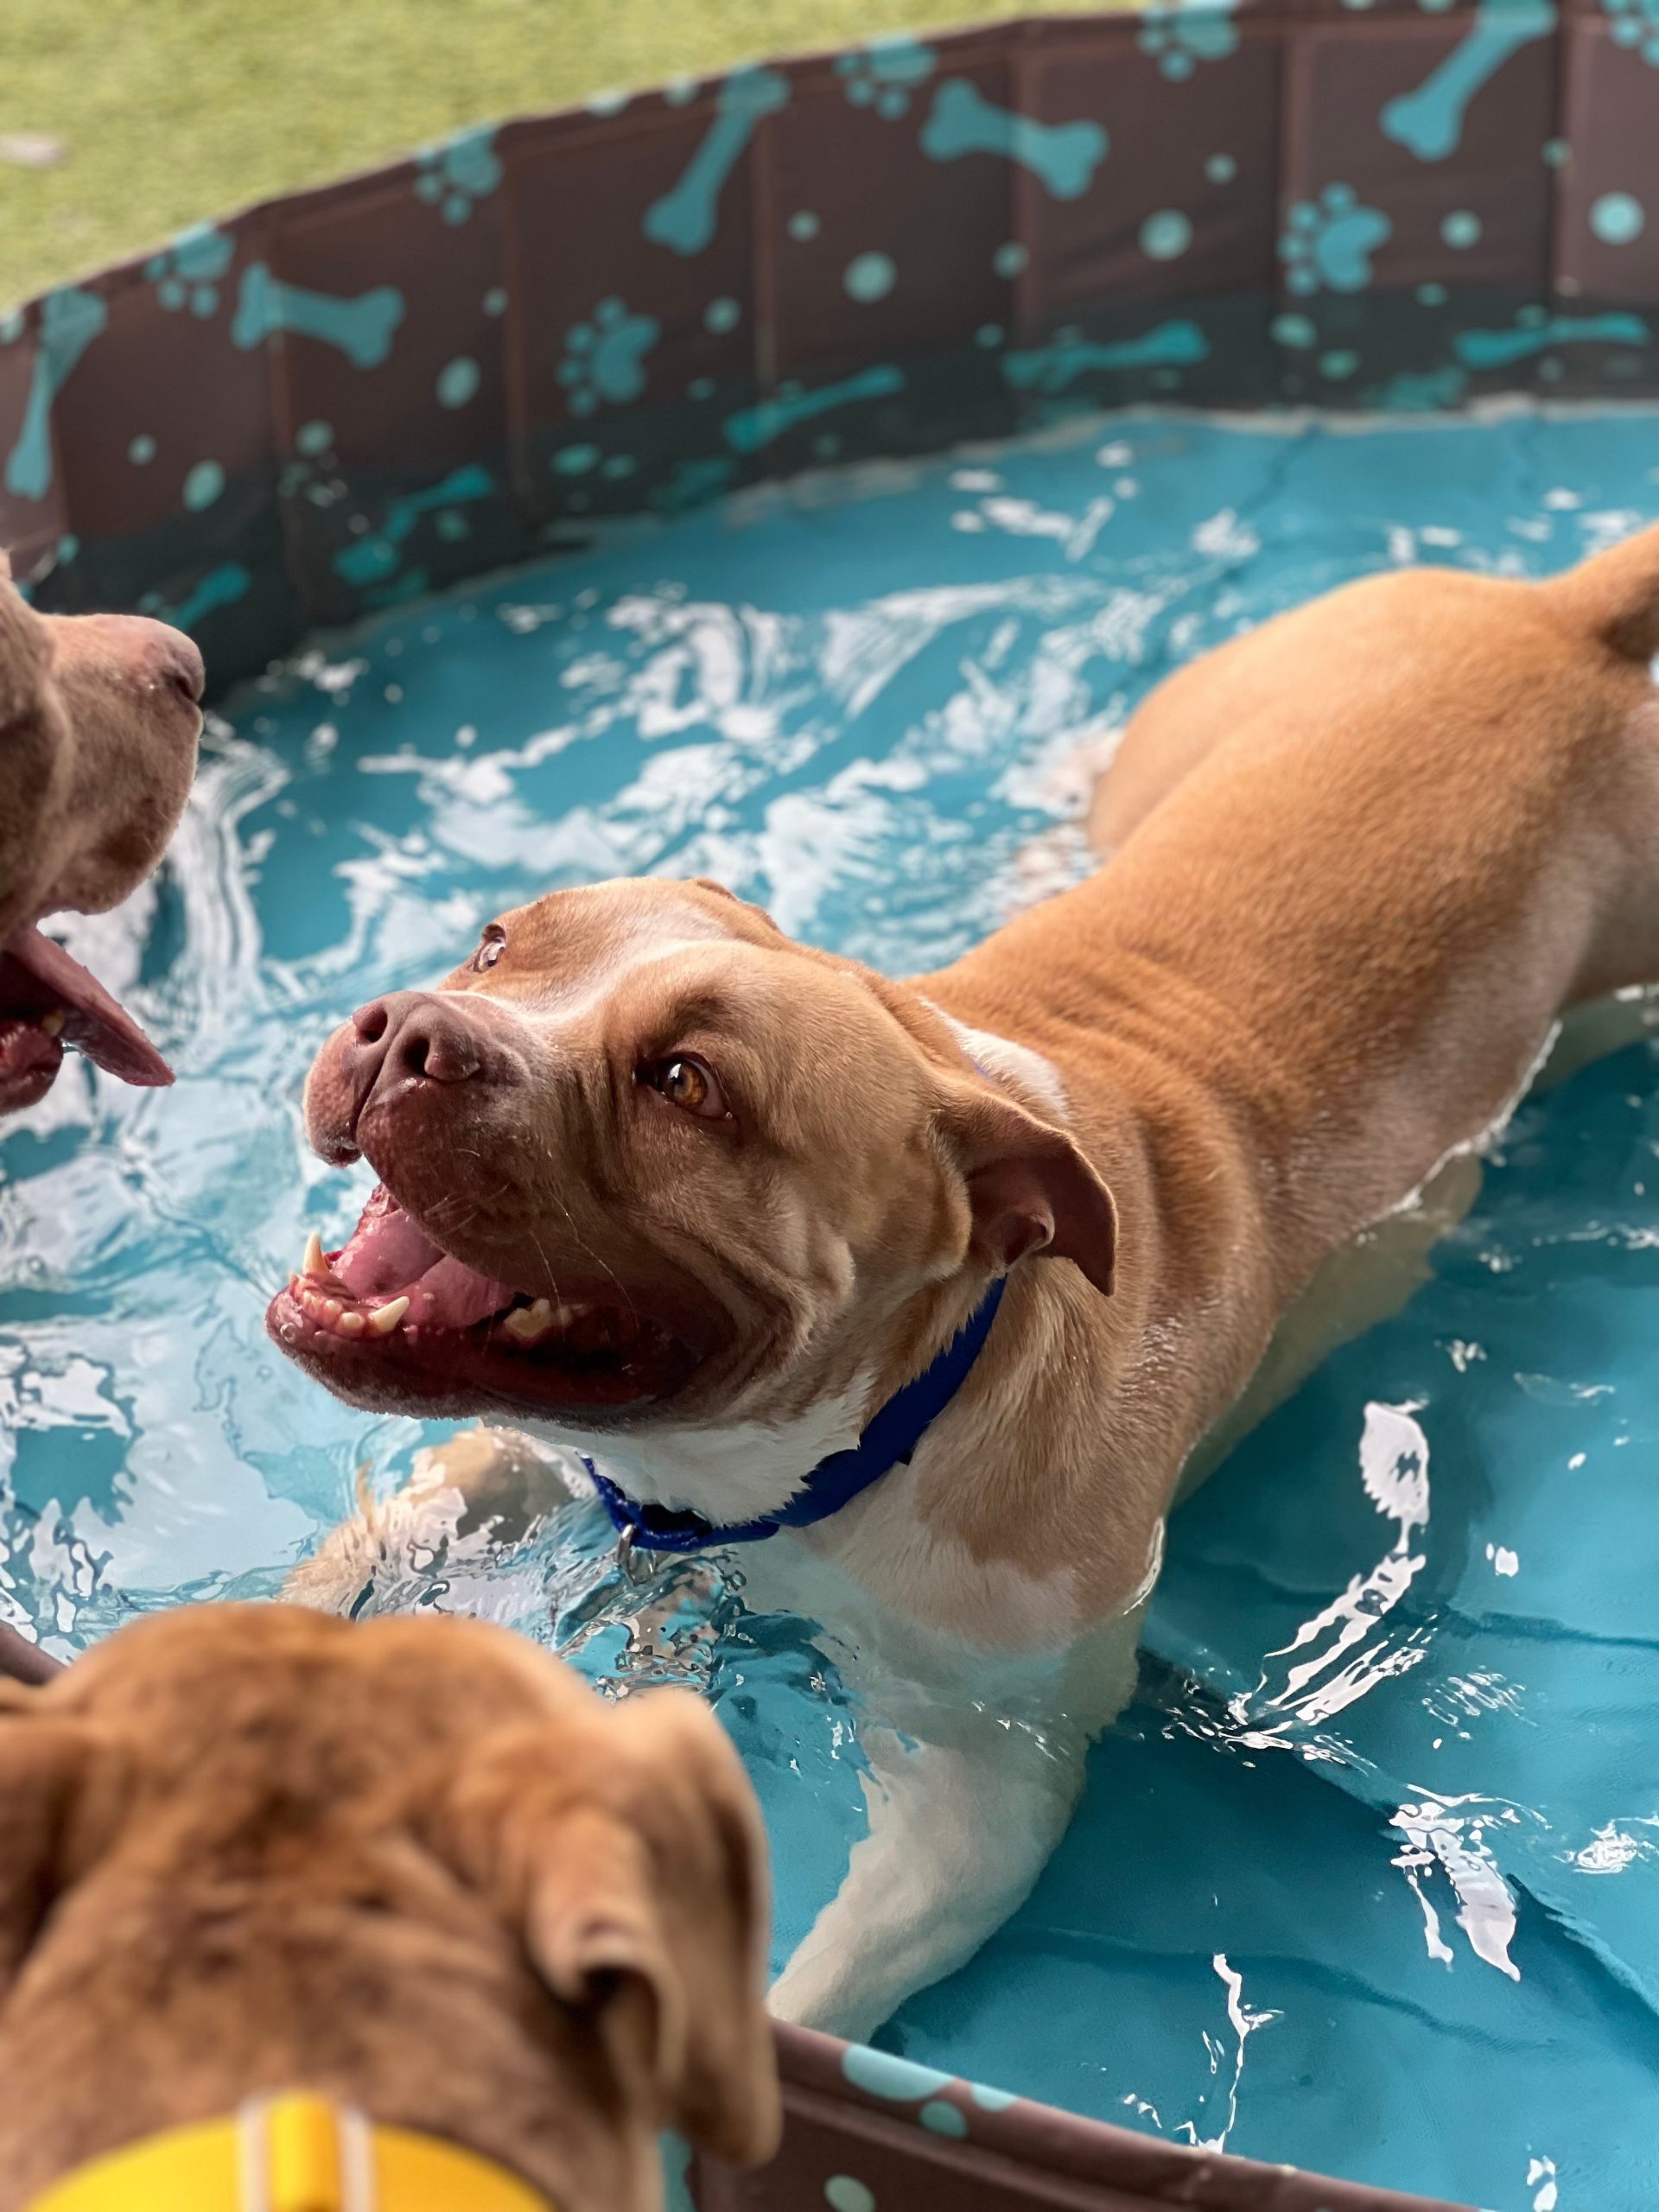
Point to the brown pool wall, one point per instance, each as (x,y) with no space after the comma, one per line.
(349,397)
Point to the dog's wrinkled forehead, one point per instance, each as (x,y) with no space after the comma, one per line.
(577,946)
(643,966)
(285,1672)
(609,962)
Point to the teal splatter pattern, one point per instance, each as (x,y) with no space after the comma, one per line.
(1328,243)
(883,75)
(604,357)
(455,176)
(189,271)
(1181,34)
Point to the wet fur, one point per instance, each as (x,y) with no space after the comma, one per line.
(1360,862)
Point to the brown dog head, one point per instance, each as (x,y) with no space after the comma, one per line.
(99,716)
(414,1863)
(646,1163)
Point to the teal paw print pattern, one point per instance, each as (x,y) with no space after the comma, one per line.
(455,176)
(1179,34)
(1635,24)
(883,74)
(187,273)
(1328,243)
(604,358)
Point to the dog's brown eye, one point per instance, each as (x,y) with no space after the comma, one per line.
(690,1085)
(495,944)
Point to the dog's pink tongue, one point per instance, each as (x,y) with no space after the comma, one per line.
(386,1251)
(390,1255)
(38,977)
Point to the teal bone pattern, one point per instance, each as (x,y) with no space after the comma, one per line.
(70,321)
(361,328)
(656,390)
(1428,122)
(370,560)
(1180,344)
(220,587)
(752,427)
(1499,349)
(685,219)
(1065,155)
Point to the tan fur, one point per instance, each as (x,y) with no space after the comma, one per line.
(1365,855)
(95,758)
(1361,860)
(414,1864)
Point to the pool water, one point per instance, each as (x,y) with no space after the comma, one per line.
(1368,1877)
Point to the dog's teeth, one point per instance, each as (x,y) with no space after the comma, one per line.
(577,1310)
(349,1324)
(385,1318)
(313,1263)
(332,1309)
(529,1323)
(53,1023)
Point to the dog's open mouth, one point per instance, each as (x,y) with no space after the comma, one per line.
(48,1000)
(393,1319)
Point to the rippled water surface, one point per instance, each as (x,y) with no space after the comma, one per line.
(1369,1876)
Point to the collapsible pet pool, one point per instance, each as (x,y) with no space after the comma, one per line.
(778,404)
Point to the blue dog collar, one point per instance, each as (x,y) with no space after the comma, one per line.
(894,1433)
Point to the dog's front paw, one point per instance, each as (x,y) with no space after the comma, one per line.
(484,1486)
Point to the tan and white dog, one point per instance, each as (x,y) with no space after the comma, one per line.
(662,1186)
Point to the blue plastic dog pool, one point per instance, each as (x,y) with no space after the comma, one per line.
(1369,1876)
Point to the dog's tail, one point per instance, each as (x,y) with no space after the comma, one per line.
(1615,596)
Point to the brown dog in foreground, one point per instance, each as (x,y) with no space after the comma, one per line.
(663,1186)
(99,716)
(414,1864)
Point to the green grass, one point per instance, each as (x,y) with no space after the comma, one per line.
(174,111)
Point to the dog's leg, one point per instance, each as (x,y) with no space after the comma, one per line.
(958,1834)
(962,1820)
(490,1479)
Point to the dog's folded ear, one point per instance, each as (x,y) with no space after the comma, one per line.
(626,1849)
(1029,1187)
(47,1760)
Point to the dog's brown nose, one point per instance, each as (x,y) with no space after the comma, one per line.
(416,1035)
(401,1067)
(156,654)
(175,659)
